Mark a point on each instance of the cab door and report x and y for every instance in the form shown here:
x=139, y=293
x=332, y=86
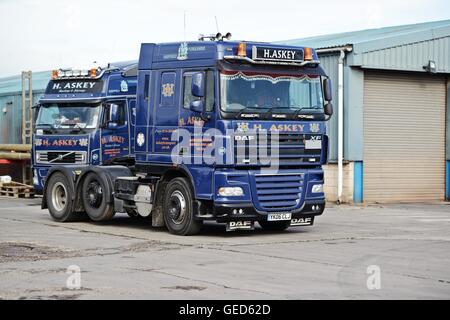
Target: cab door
x=198, y=123
x=165, y=115
x=114, y=140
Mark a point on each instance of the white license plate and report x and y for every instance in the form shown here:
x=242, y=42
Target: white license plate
x=279, y=216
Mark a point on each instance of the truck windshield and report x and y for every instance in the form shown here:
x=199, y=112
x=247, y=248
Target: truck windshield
x=67, y=116
x=283, y=93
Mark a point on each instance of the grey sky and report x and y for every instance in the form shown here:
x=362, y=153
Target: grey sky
x=47, y=34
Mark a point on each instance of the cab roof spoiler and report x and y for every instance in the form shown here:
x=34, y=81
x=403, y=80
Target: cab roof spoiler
x=130, y=71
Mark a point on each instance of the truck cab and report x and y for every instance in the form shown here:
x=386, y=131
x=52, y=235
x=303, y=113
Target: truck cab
x=242, y=124
x=84, y=118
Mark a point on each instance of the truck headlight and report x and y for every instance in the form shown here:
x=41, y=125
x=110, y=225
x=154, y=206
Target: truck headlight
x=317, y=188
x=231, y=191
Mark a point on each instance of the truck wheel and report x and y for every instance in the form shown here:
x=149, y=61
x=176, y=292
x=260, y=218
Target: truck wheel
x=178, y=208
x=59, y=203
x=274, y=225
x=94, y=198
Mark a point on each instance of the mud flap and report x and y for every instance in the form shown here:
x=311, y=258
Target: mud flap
x=157, y=217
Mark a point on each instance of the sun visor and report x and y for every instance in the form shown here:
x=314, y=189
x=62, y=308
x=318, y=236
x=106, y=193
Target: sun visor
x=287, y=70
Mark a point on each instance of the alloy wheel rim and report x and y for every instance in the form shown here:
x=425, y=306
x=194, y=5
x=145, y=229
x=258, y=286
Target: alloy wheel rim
x=59, y=196
x=177, y=207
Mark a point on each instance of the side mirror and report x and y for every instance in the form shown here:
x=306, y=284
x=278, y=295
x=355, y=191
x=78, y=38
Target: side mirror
x=111, y=125
x=196, y=106
x=198, y=85
x=111, y=118
x=327, y=91
x=328, y=109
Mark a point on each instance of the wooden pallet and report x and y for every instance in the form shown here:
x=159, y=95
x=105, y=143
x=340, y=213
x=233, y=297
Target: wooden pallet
x=16, y=190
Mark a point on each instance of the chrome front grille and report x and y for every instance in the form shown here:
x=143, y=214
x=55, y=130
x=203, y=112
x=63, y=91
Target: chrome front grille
x=67, y=157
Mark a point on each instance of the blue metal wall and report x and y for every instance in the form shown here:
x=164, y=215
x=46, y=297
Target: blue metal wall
x=353, y=107
x=330, y=63
x=11, y=116
x=406, y=52
x=11, y=104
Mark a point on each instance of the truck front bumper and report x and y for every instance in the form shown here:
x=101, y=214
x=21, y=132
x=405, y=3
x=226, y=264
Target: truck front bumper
x=263, y=193
x=246, y=211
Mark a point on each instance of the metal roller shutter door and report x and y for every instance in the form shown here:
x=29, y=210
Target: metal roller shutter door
x=404, y=137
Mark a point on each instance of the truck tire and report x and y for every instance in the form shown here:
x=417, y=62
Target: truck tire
x=59, y=203
x=94, y=199
x=274, y=225
x=178, y=209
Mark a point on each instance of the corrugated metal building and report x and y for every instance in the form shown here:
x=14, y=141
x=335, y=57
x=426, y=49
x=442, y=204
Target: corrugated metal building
x=11, y=104
x=393, y=111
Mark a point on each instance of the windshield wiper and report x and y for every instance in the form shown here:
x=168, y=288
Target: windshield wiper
x=48, y=126
x=307, y=116
x=45, y=125
x=247, y=109
x=267, y=110
x=80, y=129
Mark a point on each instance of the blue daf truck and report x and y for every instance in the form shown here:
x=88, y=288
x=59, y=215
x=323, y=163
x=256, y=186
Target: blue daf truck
x=231, y=132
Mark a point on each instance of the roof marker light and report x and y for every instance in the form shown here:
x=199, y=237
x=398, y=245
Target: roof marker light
x=241, y=49
x=54, y=74
x=308, y=55
x=93, y=73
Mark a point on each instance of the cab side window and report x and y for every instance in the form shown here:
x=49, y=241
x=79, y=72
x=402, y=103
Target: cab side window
x=188, y=97
x=209, y=90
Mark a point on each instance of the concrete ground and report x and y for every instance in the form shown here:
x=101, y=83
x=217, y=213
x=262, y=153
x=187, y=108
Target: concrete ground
x=374, y=252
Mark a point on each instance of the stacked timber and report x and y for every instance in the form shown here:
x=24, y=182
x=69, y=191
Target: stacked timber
x=15, y=151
